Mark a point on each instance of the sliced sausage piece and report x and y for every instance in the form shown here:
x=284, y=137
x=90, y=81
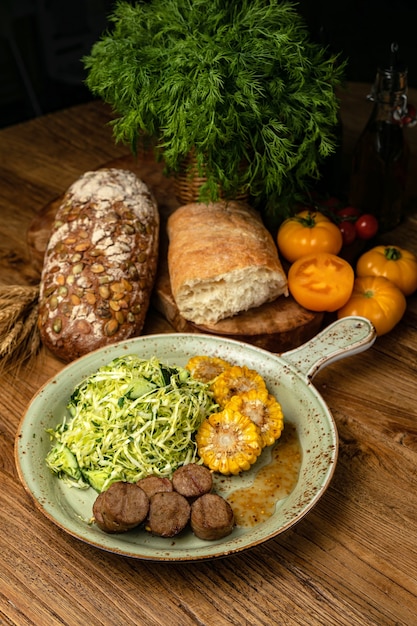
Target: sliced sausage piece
x=121, y=507
x=154, y=484
x=211, y=517
x=169, y=513
x=192, y=480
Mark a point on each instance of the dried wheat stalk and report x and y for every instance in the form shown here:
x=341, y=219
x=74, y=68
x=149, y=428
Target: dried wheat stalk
x=19, y=334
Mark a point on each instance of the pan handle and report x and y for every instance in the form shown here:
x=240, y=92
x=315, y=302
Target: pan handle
x=345, y=337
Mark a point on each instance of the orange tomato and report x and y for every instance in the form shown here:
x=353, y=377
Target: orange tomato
x=308, y=232
x=379, y=300
x=392, y=262
x=321, y=282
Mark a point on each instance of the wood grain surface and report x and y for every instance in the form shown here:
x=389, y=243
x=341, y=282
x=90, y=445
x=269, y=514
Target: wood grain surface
x=349, y=562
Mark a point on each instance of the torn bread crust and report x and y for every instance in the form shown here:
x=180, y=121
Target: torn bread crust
x=222, y=261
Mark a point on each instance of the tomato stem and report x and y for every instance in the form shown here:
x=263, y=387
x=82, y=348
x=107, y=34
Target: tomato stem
x=369, y=293
x=392, y=254
x=308, y=221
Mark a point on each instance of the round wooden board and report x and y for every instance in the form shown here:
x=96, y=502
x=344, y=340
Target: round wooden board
x=276, y=326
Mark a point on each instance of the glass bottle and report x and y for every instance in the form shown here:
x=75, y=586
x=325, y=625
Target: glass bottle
x=380, y=157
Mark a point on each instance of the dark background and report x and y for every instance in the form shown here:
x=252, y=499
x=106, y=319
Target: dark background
x=42, y=42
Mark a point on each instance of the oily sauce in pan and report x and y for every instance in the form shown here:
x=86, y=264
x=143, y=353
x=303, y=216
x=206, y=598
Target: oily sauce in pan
x=274, y=481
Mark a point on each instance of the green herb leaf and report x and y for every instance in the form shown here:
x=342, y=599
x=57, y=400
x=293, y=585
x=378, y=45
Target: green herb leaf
x=235, y=82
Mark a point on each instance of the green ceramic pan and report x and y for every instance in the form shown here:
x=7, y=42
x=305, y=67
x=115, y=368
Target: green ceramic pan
x=289, y=378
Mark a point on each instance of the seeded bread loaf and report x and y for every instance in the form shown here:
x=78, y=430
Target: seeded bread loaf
x=100, y=264
x=222, y=261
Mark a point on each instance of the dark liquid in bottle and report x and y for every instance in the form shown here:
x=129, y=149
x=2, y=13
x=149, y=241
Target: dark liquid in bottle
x=379, y=173
x=380, y=159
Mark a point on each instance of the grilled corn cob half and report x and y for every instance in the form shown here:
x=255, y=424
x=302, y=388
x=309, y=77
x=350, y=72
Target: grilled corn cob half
x=206, y=368
x=235, y=381
x=228, y=442
x=266, y=413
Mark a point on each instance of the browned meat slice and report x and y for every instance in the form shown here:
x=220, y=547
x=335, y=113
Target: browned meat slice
x=192, y=480
x=121, y=507
x=169, y=513
x=211, y=517
x=154, y=484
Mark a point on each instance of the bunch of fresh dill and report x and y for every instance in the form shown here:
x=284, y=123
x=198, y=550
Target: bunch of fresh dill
x=236, y=82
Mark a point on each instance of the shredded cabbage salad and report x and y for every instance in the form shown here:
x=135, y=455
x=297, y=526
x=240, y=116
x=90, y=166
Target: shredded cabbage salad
x=131, y=418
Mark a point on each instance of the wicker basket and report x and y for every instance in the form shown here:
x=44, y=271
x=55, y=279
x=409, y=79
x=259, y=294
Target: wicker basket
x=188, y=182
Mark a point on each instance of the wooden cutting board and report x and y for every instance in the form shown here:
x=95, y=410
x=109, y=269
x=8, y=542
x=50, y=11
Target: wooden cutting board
x=276, y=326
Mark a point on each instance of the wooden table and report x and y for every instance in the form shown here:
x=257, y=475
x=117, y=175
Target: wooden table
x=351, y=562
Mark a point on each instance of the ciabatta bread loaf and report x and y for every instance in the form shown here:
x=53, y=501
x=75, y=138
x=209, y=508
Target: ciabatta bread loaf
x=221, y=260
x=100, y=263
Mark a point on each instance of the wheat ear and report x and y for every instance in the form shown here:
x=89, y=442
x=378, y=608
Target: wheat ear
x=19, y=334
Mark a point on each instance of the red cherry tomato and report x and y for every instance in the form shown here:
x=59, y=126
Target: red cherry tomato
x=331, y=202
x=409, y=119
x=349, y=211
x=366, y=226
x=330, y=206
x=411, y=110
x=348, y=231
